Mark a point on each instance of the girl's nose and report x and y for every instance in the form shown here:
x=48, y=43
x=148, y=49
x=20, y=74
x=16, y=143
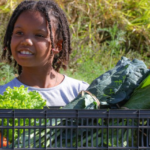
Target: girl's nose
x=27, y=41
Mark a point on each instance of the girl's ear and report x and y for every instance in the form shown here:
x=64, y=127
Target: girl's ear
x=58, y=47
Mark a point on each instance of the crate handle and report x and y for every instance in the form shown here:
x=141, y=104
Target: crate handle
x=94, y=97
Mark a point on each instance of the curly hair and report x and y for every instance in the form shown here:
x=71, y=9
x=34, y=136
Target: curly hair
x=49, y=9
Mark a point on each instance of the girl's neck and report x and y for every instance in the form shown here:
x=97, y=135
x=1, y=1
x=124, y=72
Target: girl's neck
x=40, y=78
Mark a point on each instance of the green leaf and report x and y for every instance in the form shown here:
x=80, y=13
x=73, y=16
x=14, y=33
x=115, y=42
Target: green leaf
x=140, y=99
x=145, y=83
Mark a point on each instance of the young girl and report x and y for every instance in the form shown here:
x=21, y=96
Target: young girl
x=37, y=40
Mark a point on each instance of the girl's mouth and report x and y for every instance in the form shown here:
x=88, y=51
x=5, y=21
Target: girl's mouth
x=25, y=52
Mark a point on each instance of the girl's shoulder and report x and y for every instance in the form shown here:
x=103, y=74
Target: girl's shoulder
x=81, y=85
x=11, y=84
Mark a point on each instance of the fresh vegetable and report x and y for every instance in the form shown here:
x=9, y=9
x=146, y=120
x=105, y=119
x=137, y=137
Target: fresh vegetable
x=19, y=98
x=4, y=142
x=111, y=137
x=140, y=99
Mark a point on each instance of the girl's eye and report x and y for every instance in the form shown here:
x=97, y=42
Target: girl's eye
x=39, y=35
x=19, y=32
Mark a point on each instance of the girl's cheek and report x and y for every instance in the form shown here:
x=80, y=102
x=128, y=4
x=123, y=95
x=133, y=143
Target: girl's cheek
x=14, y=41
x=13, y=44
x=42, y=45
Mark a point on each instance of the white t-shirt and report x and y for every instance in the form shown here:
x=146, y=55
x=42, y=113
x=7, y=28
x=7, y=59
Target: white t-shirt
x=59, y=95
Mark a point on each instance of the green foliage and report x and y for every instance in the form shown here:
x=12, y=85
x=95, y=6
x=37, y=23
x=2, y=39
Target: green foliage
x=103, y=31
x=140, y=97
x=7, y=6
x=117, y=41
x=20, y=98
x=131, y=16
x=7, y=73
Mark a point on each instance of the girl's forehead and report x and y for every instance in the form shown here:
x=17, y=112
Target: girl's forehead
x=31, y=21
x=30, y=14
x=34, y=20
x=36, y=16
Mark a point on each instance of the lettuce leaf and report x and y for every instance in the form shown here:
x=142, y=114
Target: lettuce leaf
x=20, y=98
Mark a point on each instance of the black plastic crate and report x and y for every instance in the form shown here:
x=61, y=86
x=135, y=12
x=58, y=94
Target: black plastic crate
x=56, y=129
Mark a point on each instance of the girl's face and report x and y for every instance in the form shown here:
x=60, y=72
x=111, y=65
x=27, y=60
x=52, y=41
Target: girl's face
x=30, y=43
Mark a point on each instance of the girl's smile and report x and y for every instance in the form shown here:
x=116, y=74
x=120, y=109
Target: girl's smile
x=25, y=53
x=30, y=43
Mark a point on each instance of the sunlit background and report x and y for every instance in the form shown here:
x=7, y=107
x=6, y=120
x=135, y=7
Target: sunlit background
x=101, y=32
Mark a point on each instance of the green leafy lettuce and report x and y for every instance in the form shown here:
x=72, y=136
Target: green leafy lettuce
x=20, y=98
